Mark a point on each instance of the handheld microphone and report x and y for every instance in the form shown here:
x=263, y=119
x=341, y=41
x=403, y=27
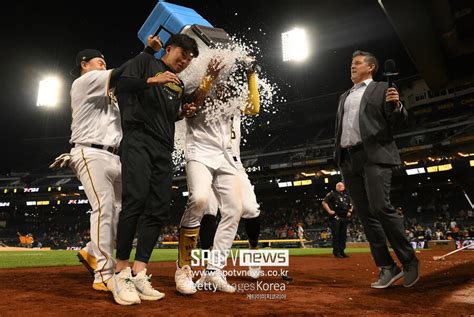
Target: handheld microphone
x=390, y=71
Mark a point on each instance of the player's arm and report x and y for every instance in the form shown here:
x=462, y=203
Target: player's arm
x=135, y=79
x=253, y=101
x=213, y=70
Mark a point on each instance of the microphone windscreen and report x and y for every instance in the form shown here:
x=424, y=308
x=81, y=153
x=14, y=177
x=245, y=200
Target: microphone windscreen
x=390, y=66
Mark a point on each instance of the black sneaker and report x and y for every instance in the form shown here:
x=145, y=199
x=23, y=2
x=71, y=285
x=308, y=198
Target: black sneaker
x=411, y=273
x=344, y=255
x=388, y=275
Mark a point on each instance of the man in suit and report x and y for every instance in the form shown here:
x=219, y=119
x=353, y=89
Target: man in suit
x=366, y=153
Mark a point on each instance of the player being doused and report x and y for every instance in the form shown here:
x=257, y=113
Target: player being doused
x=213, y=168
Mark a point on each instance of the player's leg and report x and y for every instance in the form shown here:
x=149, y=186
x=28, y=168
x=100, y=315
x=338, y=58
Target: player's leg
x=250, y=209
x=251, y=217
x=118, y=206
x=199, y=178
x=209, y=223
x=86, y=255
x=227, y=186
x=136, y=173
x=97, y=181
x=155, y=216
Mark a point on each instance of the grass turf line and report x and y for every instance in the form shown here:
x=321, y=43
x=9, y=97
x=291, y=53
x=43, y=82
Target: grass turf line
x=18, y=259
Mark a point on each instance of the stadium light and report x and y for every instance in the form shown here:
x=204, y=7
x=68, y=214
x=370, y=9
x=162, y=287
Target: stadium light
x=295, y=45
x=48, y=92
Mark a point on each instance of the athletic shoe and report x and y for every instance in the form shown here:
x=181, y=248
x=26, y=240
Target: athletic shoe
x=254, y=272
x=203, y=285
x=388, y=275
x=88, y=260
x=411, y=273
x=123, y=288
x=184, y=280
x=101, y=286
x=144, y=289
x=218, y=281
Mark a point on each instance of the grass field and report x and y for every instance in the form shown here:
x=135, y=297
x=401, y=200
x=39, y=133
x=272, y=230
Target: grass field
x=17, y=259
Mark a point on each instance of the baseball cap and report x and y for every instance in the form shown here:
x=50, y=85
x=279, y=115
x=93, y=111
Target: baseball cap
x=84, y=56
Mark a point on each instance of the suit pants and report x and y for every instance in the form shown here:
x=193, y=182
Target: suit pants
x=369, y=186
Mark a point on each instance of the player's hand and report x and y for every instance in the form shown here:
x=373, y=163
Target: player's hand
x=393, y=96
x=215, y=66
x=61, y=161
x=155, y=42
x=188, y=110
x=164, y=78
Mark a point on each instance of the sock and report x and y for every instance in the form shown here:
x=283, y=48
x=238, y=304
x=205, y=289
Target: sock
x=187, y=242
x=252, y=228
x=207, y=231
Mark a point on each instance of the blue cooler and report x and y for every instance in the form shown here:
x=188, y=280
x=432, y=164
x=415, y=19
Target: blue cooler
x=167, y=19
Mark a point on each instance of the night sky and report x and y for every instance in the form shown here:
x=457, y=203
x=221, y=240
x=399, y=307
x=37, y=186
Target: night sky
x=41, y=38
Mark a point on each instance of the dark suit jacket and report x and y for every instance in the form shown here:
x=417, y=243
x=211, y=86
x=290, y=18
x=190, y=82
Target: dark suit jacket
x=376, y=121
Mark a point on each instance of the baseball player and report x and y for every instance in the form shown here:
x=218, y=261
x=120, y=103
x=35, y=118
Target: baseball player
x=250, y=206
x=210, y=166
x=301, y=234
x=149, y=112
x=96, y=135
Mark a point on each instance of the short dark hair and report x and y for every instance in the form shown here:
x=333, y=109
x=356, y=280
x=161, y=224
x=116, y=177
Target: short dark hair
x=184, y=41
x=369, y=58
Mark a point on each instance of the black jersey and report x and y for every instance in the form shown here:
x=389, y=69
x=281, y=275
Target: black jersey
x=154, y=108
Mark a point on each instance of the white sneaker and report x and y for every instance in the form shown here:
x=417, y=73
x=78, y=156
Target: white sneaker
x=254, y=272
x=199, y=283
x=122, y=287
x=218, y=280
x=144, y=289
x=184, y=280
x=203, y=285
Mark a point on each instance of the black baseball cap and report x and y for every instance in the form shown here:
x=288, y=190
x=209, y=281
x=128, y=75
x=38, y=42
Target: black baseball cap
x=84, y=56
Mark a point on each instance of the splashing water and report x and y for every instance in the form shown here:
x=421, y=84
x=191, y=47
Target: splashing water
x=232, y=76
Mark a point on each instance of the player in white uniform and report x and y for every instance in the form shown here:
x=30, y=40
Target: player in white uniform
x=212, y=171
x=209, y=166
x=96, y=135
x=250, y=206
